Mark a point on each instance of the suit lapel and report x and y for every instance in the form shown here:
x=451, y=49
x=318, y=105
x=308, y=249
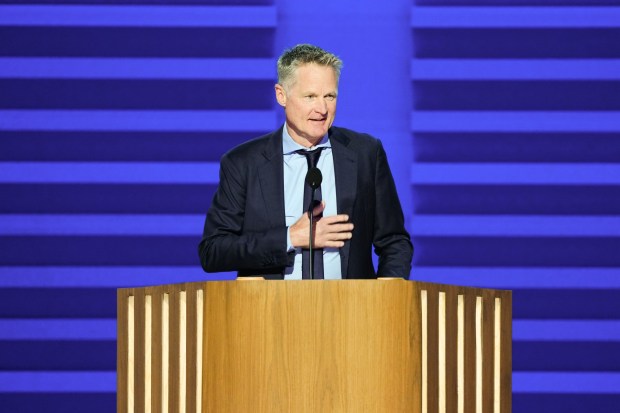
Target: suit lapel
x=345, y=170
x=271, y=177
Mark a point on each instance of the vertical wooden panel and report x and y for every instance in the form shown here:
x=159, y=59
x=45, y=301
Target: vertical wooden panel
x=139, y=349
x=165, y=352
x=441, y=351
x=433, y=349
x=451, y=350
x=488, y=347
x=461, y=353
x=497, y=354
x=182, y=351
x=470, y=354
x=424, y=349
x=121, y=351
x=190, y=350
x=506, y=353
x=131, y=361
x=200, y=332
x=156, y=374
x=479, y=329
x=148, y=352
x=173, y=376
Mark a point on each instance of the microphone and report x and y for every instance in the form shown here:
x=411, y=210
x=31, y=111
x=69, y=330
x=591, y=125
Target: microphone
x=314, y=177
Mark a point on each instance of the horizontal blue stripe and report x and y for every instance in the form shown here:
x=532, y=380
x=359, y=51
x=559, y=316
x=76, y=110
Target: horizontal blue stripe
x=57, y=382
x=569, y=383
x=515, y=69
x=119, y=224
x=207, y=173
x=519, y=278
x=566, y=330
x=523, y=382
x=192, y=224
x=138, y=16
x=105, y=329
x=511, y=225
x=511, y=173
x=59, y=329
x=138, y=120
x=521, y=17
x=109, y=172
x=117, y=277
x=136, y=68
x=521, y=121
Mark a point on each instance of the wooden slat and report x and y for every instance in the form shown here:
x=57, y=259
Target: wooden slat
x=433, y=354
x=157, y=295
x=173, y=378
x=470, y=353
x=488, y=318
x=139, y=349
x=506, y=353
x=451, y=349
x=121, y=351
x=190, y=350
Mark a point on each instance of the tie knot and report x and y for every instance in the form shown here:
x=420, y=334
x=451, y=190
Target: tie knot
x=311, y=156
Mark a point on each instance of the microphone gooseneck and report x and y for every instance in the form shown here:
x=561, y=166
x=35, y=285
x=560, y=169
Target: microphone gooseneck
x=314, y=177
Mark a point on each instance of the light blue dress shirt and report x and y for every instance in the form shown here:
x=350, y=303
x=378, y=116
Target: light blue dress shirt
x=295, y=169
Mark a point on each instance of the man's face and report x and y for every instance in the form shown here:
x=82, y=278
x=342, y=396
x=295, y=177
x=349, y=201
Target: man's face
x=309, y=102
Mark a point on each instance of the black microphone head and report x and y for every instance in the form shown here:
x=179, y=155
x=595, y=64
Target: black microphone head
x=314, y=177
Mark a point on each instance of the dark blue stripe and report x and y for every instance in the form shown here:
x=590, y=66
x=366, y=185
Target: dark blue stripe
x=516, y=95
x=58, y=302
x=58, y=402
x=58, y=355
x=516, y=43
x=145, y=42
x=119, y=146
x=565, y=356
x=509, y=2
x=565, y=403
x=517, y=199
x=566, y=304
x=517, y=251
x=517, y=147
x=153, y=2
x=136, y=94
x=121, y=199
x=113, y=250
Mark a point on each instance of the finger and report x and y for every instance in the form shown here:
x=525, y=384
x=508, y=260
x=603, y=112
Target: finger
x=334, y=219
x=348, y=227
x=318, y=210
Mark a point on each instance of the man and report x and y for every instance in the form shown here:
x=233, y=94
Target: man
x=256, y=224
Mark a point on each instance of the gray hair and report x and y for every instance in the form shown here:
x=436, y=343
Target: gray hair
x=302, y=54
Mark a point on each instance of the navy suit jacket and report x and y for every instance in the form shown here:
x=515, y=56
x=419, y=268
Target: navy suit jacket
x=245, y=229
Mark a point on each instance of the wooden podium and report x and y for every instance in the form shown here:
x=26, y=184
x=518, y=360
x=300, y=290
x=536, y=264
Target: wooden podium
x=314, y=346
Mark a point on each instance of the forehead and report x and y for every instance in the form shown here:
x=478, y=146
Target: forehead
x=312, y=75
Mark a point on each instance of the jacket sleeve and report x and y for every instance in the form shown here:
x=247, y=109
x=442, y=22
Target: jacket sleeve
x=225, y=245
x=391, y=240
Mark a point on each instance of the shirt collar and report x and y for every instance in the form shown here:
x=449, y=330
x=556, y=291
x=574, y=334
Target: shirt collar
x=289, y=146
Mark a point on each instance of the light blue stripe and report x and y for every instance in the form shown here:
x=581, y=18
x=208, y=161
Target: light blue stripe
x=515, y=69
x=136, y=68
x=566, y=330
x=566, y=382
x=514, y=17
x=507, y=173
x=515, y=278
x=515, y=225
x=109, y=172
x=139, y=120
x=57, y=381
x=102, y=224
x=139, y=16
x=57, y=329
x=114, y=277
x=522, y=121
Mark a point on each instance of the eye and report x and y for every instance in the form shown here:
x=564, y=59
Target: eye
x=330, y=97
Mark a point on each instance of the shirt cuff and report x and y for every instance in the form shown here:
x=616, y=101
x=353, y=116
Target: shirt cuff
x=289, y=244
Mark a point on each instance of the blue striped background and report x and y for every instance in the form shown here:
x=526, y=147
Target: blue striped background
x=113, y=117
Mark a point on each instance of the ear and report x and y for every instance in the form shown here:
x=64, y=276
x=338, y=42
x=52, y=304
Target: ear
x=280, y=95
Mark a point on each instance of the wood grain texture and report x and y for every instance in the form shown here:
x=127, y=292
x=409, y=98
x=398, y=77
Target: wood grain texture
x=506, y=354
x=121, y=351
x=139, y=350
x=488, y=349
x=310, y=347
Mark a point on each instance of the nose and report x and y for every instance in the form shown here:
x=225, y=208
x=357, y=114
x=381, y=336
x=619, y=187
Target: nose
x=320, y=106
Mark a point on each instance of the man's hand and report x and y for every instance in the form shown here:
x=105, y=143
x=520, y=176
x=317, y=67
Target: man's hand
x=329, y=232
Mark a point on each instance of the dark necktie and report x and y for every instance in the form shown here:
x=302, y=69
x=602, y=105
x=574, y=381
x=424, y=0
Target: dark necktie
x=312, y=157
